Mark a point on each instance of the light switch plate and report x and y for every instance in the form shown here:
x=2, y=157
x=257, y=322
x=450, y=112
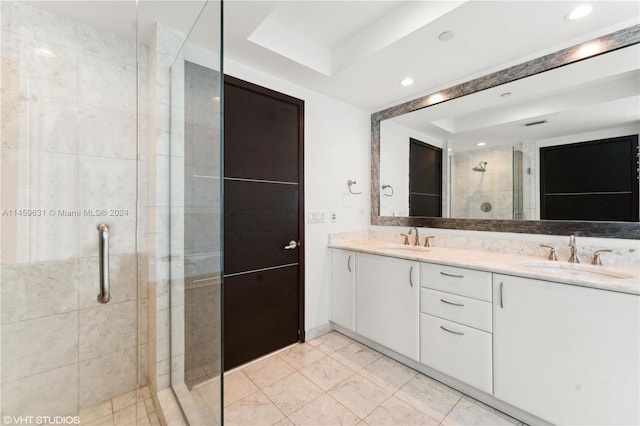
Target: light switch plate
x=315, y=216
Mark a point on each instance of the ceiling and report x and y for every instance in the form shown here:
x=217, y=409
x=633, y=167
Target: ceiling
x=358, y=51
x=602, y=92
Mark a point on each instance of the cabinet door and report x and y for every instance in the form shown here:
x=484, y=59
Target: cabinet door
x=565, y=353
x=343, y=265
x=387, y=302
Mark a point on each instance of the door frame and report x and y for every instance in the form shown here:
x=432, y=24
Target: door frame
x=299, y=104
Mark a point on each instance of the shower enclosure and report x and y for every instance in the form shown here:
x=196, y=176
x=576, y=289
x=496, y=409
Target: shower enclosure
x=88, y=278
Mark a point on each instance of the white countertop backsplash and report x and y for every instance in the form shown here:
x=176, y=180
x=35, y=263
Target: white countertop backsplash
x=503, y=256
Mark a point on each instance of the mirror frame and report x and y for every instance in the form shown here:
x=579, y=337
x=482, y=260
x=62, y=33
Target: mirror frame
x=625, y=230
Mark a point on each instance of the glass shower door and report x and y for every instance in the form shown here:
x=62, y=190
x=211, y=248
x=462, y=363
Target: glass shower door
x=196, y=240
x=69, y=163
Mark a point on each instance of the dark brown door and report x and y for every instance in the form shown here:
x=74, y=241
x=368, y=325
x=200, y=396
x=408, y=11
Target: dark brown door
x=425, y=179
x=263, y=204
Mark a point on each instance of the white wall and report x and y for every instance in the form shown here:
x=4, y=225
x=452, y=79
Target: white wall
x=394, y=165
x=336, y=149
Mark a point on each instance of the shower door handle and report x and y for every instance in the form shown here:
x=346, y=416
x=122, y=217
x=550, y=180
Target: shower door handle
x=103, y=248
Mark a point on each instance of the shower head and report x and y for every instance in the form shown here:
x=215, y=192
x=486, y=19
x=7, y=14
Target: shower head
x=481, y=167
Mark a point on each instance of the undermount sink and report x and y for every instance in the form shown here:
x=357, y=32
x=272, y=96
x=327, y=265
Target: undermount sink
x=406, y=247
x=576, y=270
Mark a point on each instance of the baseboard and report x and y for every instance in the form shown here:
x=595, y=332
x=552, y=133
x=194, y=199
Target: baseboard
x=318, y=331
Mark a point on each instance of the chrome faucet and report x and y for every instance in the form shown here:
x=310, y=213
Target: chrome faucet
x=416, y=242
x=552, y=252
x=573, y=254
x=596, y=256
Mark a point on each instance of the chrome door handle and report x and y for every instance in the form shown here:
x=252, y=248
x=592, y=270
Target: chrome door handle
x=451, y=331
x=349, y=263
x=103, y=249
x=292, y=244
x=411, y=276
x=451, y=275
x=451, y=303
x=501, y=301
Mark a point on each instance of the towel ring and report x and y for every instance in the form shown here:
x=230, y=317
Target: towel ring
x=385, y=193
x=349, y=184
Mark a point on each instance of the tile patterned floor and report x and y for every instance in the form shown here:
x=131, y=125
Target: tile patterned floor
x=333, y=380
x=133, y=408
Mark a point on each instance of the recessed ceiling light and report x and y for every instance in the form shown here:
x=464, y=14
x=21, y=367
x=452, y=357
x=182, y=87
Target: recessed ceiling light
x=446, y=36
x=481, y=143
x=434, y=99
x=579, y=12
x=407, y=81
x=588, y=49
x=505, y=94
x=44, y=52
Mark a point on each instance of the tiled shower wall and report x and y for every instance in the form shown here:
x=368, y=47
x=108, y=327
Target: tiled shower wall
x=68, y=143
x=470, y=188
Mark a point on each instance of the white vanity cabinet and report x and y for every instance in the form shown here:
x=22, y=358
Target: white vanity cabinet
x=566, y=354
x=387, y=302
x=343, y=282
x=456, y=323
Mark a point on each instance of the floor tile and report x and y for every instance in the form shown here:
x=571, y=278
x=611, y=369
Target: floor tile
x=255, y=409
x=356, y=356
x=301, y=355
x=237, y=386
x=330, y=342
x=194, y=374
x=95, y=412
x=326, y=372
x=468, y=412
x=210, y=393
x=284, y=422
x=324, y=410
x=359, y=395
x=429, y=396
x=396, y=412
x=125, y=417
x=292, y=392
x=124, y=401
x=268, y=371
x=387, y=373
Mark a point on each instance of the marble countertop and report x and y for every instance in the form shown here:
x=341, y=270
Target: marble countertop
x=622, y=279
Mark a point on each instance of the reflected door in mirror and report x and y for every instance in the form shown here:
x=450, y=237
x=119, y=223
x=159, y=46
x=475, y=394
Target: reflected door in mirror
x=425, y=179
x=595, y=180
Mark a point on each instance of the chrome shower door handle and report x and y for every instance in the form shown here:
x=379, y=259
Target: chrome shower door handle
x=103, y=248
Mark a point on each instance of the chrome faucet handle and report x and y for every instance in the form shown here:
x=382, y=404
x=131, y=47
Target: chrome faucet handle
x=426, y=240
x=552, y=252
x=406, y=239
x=596, y=256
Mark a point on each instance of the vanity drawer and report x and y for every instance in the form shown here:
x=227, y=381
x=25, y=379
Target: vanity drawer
x=458, y=351
x=460, y=309
x=461, y=281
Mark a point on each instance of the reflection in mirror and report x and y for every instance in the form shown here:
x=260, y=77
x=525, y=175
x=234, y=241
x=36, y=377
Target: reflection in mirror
x=491, y=139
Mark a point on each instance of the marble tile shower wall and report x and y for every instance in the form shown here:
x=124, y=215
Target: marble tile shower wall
x=68, y=143
x=471, y=189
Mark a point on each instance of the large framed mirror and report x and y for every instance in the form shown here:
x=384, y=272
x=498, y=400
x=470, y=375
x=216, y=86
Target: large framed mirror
x=548, y=146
